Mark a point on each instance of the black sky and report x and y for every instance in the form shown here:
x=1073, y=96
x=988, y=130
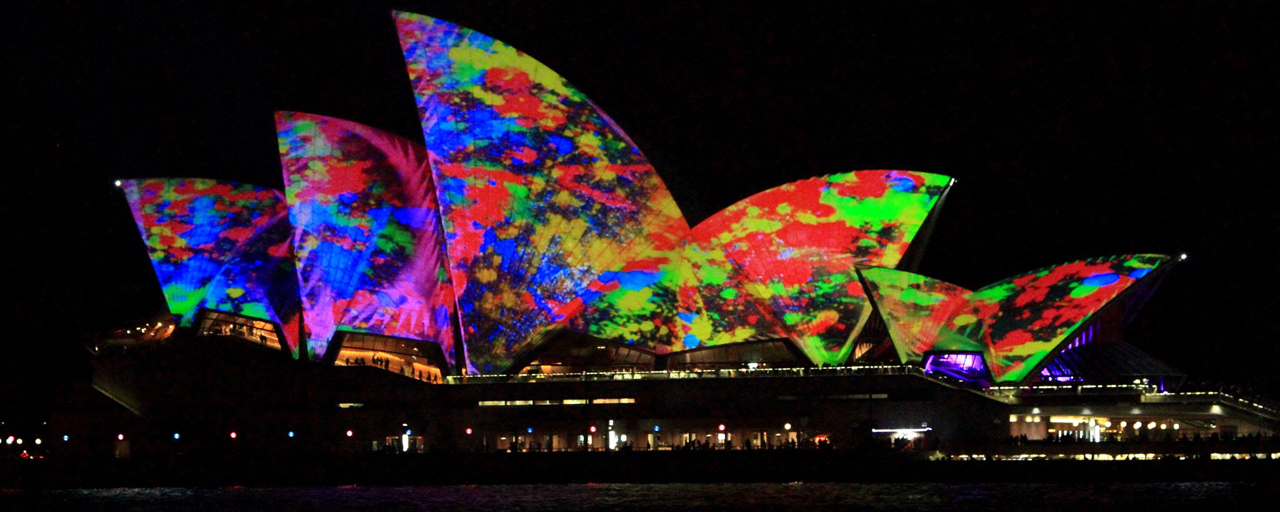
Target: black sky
x=1073, y=131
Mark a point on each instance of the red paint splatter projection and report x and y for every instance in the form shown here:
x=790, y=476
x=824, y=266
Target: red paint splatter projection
x=540, y=191
x=1017, y=322
x=1026, y=317
x=218, y=245
x=782, y=261
x=370, y=254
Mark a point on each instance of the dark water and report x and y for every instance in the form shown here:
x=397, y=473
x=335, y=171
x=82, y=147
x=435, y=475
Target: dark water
x=649, y=497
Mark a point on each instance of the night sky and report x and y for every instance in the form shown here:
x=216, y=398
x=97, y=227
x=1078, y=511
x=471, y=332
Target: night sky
x=1073, y=132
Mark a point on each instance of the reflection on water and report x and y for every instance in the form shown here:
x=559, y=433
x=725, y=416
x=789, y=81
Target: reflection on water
x=650, y=497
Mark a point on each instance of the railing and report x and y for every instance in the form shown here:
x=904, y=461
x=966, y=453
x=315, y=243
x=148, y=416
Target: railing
x=1210, y=397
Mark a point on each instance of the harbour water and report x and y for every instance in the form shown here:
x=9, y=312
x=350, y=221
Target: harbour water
x=809, y=497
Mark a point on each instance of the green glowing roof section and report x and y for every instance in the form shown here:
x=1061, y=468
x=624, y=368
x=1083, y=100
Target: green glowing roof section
x=923, y=314
x=1028, y=316
x=540, y=192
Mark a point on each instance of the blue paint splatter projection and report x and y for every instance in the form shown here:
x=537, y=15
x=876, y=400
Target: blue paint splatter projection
x=218, y=245
x=370, y=254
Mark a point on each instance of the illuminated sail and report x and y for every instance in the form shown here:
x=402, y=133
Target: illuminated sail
x=366, y=230
x=217, y=245
x=541, y=193
x=782, y=262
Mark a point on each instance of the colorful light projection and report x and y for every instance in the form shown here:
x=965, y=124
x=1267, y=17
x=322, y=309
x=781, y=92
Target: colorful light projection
x=366, y=230
x=642, y=302
x=218, y=245
x=1016, y=322
x=923, y=314
x=541, y=193
x=1029, y=315
x=782, y=262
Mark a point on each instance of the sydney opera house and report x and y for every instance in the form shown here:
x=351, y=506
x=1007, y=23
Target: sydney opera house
x=520, y=278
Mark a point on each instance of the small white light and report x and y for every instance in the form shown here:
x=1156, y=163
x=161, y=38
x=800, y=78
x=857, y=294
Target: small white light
x=1175, y=426
x=786, y=426
x=117, y=183
x=1183, y=256
x=120, y=437
x=1151, y=425
x=19, y=440
x=38, y=441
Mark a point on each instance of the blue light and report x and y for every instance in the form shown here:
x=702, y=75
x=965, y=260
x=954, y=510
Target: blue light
x=66, y=438
x=529, y=430
x=656, y=428
x=176, y=436
x=408, y=432
x=291, y=434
